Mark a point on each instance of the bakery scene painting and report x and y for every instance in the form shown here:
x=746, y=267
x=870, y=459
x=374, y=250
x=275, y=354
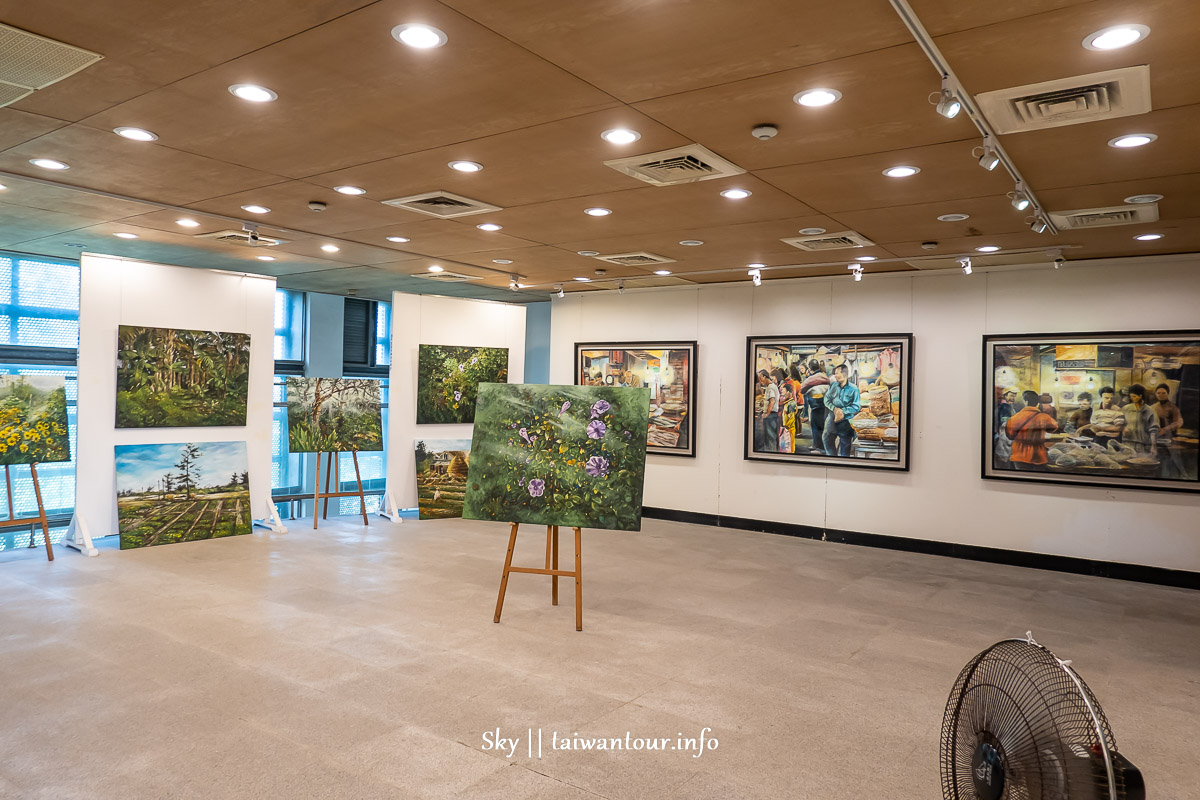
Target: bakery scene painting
x=1120, y=409
x=833, y=400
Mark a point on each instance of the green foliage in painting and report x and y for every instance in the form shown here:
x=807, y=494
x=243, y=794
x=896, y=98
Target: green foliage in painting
x=33, y=419
x=559, y=455
x=448, y=380
x=334, y=415
x=168, y=378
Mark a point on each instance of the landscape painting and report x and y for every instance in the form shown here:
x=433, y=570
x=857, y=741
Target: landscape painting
x=667, y=369
x=33, y=419
x=169, y=378
x=448, y=380
x=559, y=455
x=442, y=477
x=169, y=493
x=334, y=415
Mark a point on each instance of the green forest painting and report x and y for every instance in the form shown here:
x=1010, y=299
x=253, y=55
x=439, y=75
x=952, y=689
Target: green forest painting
x=33, y=419
x=334, y=415
x=169, y=493
x=441, y=477
x=559, y=455
x=448, y=380
x=169, y=378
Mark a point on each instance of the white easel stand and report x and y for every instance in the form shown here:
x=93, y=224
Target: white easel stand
x=79, y=538
x=388, y=509
x=271, y=522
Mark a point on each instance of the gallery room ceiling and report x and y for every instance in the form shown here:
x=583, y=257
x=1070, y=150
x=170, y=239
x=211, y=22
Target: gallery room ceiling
x=525, y=88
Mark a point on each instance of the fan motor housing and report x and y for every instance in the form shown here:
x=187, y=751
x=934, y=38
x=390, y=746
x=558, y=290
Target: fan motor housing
x=987, y=772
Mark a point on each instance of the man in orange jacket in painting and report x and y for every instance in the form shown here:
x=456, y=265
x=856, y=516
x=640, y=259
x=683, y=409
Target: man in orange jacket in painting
x=1027, y=429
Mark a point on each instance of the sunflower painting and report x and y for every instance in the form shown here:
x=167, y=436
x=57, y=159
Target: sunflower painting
x=33, y=419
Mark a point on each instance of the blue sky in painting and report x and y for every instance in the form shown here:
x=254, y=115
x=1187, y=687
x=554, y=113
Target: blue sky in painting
x=142, y=465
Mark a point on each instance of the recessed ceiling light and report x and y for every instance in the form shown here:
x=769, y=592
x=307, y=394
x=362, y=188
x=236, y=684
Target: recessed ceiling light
x=422, y=37
x=662, y=272
x=953, y=217
x=255, y=209
x=620, y=136
x=1144, y=198
x=436, y=268
x=265, y=258
x=398, y=239
x=811, y=231
x=901, y=172
x=817, y=97
x=489, y=226
x=253, y=92
x=349, y=190
x=987, y=248
x=864, y=258
x=187, y=223
x=584, y=280
x=755, y=266
x=1132, y=140
x=123, y=235
x=736, y=194
x=502, y=261
x=2, y=187
x=49, y=163
x=466, y=166
x=136, y=134
x=330, y=248
x=1116, y=37
x=597, y=212
x=1148, y=237
x=588, y=252
x=691, y=242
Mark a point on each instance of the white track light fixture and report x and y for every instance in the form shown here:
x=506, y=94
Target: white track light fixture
x=965, y=263
x=620, y=287
x=756, y=276
x=857, y=271
x=1039, y=224
x=990, y=159
x=948, y=104
x=1020, y=200
x=512, y=282
x=561, y=293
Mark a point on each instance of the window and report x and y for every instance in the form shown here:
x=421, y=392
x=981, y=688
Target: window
x=383, y=333
x=39, y=302
x=289, y=331
x=287, y=475
x=366, y=338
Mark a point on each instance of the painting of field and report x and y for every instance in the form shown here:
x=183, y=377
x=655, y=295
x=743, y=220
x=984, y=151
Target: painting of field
x=442, y=477
x=334, y=415
x=33, y=419
x=168, y=493
x=448, y=380
x=168, y=378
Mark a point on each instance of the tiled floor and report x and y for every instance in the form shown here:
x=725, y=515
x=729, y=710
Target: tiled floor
x=352, y=663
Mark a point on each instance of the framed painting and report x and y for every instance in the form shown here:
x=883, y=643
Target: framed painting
x=1117, y=409
x=832, y=400
x=33, y=419
x=448, y=380
x=334, y=415
x=442, y=466
x=667, y=369
x=573, y=456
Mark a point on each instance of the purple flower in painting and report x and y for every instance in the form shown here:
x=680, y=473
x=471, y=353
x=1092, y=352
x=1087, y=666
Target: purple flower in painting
x=564, y=408
x=536, y=487
x=473, y=360
x=529, y=459
x=596, y=429
x=521, y=482
x=524, y=434
x=599, y=407
x=597, y=467
x=457, y=396
x=460, y=367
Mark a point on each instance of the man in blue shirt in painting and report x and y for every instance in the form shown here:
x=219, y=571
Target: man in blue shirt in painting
x=843, y=402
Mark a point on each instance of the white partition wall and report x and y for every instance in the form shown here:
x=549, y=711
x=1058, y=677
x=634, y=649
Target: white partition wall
x=116, y=292
x=942, y=497
x=427, y=319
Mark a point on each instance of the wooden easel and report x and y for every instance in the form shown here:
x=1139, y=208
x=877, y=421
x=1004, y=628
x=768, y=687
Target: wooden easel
x=329, y=470
x=551, y=569
x=11, y=522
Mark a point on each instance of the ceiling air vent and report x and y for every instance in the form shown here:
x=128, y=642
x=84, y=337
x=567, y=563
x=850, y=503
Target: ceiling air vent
x=445, y=277
x=445, y=205
x=243, y=238
x=29, y=62
x=829, y=241
x=1105, y=217
x=1069, y=101
x=681, y=165
x=635, y=259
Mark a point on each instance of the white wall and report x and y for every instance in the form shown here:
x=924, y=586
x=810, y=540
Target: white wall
x=116, y=292
x=942, y=497
x=428, y=319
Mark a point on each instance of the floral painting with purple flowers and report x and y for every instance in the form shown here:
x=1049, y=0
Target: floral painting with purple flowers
x=448, y=379
x=573, y=456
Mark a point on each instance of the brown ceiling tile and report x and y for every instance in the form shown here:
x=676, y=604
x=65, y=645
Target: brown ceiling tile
x=636, y=51
x=1181, y=195
x=988, y=215
x=438, y=237
x=66, y=200
x=872, y=116
x=946, y=16
x=19, y=224
x=21, y=126
x=948, y=172
x=289, y=201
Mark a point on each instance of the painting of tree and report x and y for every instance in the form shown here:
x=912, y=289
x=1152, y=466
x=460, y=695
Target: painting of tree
x=334, y=415
x=169, y=378
x=448, y=380
x=33, y=419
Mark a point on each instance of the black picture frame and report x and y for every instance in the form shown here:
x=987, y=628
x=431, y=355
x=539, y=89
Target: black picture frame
x=873, y=457
x=689, y=419
x=1116, y=344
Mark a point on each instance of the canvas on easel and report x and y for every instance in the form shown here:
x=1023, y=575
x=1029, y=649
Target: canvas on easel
x=33, y=430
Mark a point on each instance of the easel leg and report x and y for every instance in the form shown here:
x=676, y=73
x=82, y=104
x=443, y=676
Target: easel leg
x=578, y=580
x=317, y=491
x=554, y=565
x=328, y=475
x=512, y=542
x=362, y=501
x=37, y=492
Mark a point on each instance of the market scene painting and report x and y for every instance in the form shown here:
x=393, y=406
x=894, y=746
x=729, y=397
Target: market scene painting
x=572, y=456
x=838, y=401
x=667, y=369
x=441, y=477
x=448, y=379
x=1111, y=409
